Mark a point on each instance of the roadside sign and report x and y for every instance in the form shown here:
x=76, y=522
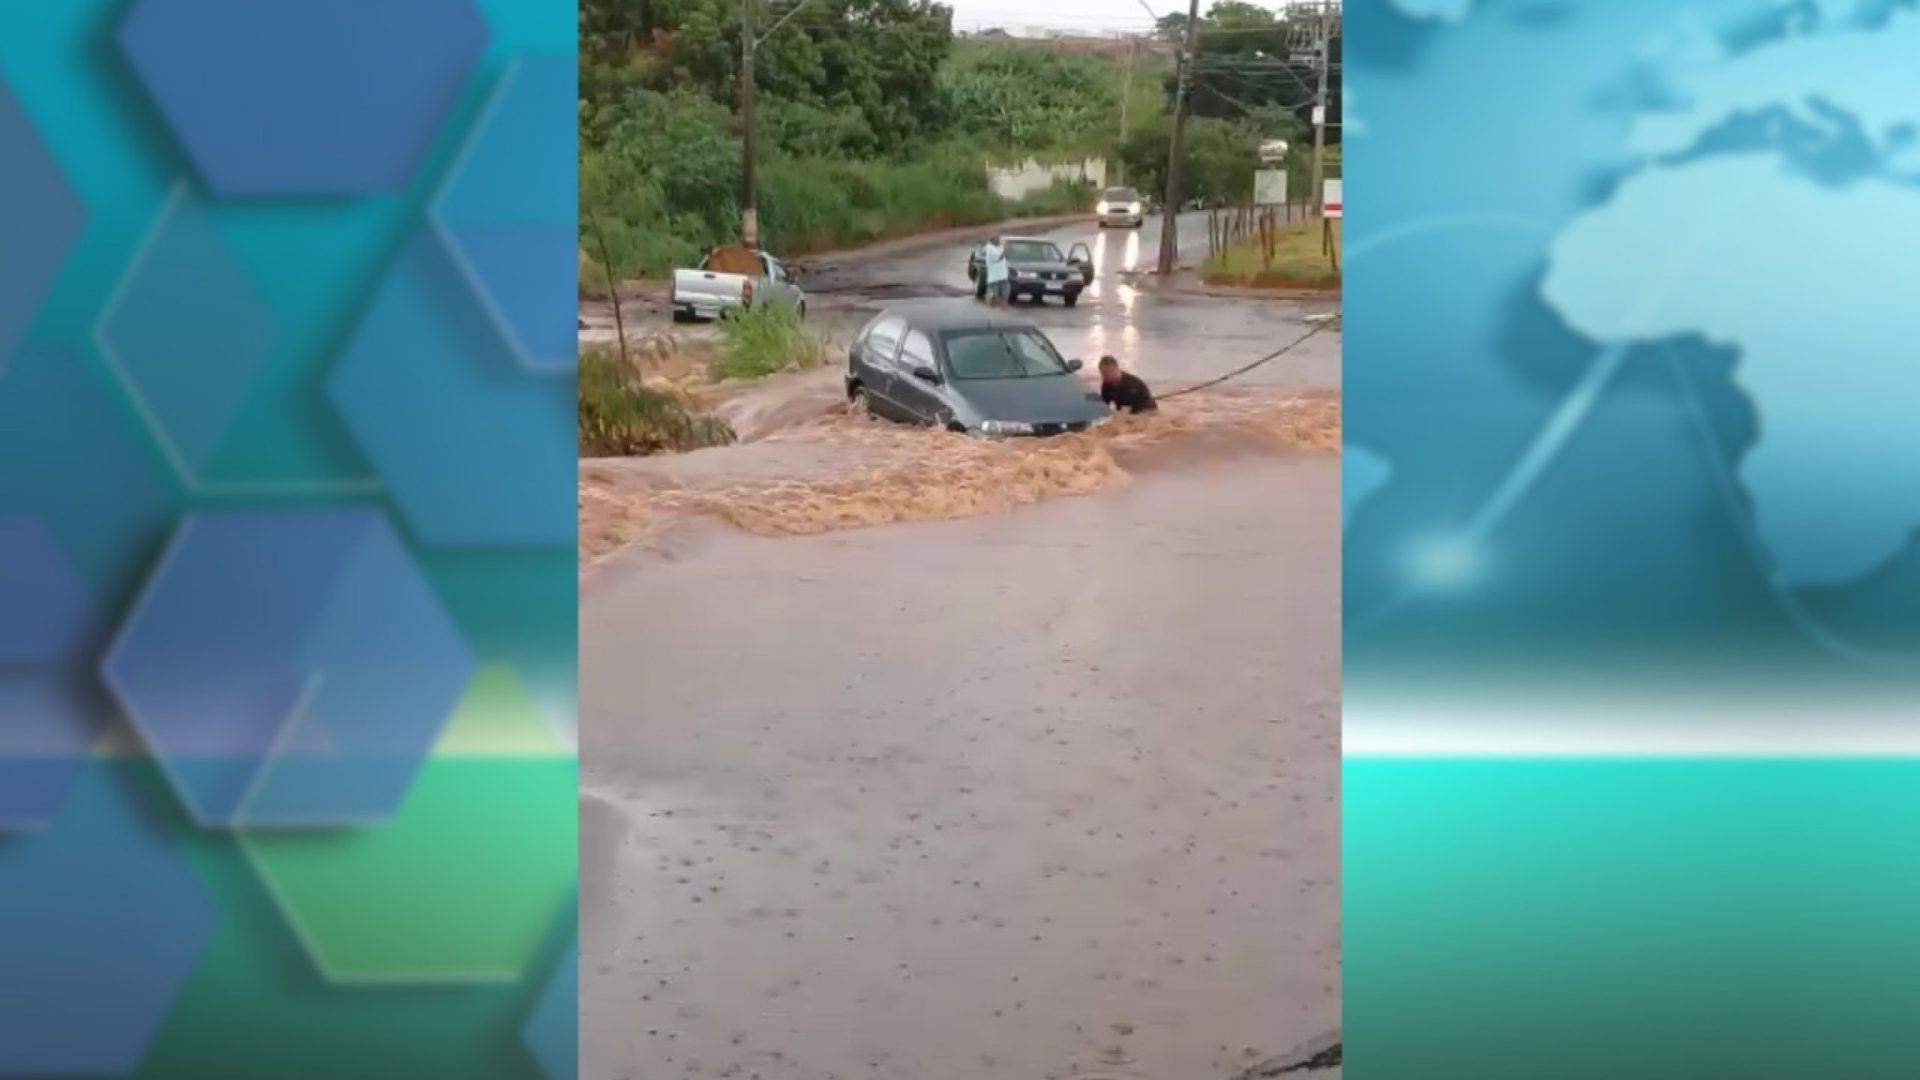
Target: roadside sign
x=1269, y=187
x=1330, y=198
x=1319, y=115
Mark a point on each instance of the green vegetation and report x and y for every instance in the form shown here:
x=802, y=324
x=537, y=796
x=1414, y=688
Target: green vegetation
x=873, y=121
x=620, y=416
x=1295, y=258
x=756, y=342
x=1249, y=85
x=1254, y=58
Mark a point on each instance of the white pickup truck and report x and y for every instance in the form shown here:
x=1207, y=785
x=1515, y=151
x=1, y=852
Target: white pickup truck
x=731, y=277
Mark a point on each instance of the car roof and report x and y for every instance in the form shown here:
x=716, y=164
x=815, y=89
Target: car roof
x=948, y=315
x=1031, y=239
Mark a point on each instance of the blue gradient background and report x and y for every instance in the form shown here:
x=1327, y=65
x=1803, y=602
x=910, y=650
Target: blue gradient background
x=1632, y=599
x=211, y=214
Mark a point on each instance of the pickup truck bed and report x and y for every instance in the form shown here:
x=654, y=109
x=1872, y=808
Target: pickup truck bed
x=731, y=277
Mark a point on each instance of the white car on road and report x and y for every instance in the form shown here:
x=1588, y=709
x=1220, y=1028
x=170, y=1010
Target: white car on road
x=1122, y=207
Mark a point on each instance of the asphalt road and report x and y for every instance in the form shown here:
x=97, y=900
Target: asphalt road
x=1171, y=339
x=1047, y=793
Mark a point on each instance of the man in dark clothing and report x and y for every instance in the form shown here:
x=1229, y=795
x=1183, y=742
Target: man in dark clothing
x=1123, y=389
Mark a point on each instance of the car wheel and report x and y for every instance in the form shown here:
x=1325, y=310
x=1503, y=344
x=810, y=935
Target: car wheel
x=858, y=403
x=682, y=315
x=1070, y=299
x=801, y=310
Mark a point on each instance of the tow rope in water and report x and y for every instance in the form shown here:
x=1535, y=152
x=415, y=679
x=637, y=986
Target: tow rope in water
x=1321, y=322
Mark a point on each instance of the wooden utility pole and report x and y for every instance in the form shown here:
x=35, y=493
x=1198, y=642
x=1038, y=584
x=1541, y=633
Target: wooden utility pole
x=1320, y=110
x=1170, y=210
x=749, y=180
x=1126, y=100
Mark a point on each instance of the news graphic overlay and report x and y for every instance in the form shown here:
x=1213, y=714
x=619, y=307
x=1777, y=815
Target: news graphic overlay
x=1632, y=589
x=287, y=570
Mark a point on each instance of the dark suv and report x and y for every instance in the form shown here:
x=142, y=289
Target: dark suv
x=1036, y=268
x=950, y=364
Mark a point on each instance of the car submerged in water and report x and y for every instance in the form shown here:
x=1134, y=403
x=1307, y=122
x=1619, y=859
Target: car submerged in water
x=958, y=367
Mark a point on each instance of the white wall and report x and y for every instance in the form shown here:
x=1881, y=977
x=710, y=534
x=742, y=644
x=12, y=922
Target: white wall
x=1018, y=181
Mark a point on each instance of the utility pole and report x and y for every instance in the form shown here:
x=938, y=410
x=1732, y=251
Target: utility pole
x=749, y=180
x=1126, y=99
x=1170, y=209
x=1318, y=189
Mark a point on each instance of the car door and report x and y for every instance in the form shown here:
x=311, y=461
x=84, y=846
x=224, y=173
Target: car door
x=779, y=283
x=873, y=360
x=920, y=399
x=1081, y=258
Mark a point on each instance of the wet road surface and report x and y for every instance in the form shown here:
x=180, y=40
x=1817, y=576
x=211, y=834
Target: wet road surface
x=1048, y=793
x=1171, y=339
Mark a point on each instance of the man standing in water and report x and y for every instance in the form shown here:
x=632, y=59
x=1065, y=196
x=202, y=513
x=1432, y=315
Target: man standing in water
x=1123, y=389
x=993, y=267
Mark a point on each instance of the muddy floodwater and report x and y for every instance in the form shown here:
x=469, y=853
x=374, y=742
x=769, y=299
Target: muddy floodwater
x=912, y=756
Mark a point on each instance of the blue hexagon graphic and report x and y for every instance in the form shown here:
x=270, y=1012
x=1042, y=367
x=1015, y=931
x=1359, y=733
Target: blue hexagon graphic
x=40, y=219
x=104, y=922
x=288, y=666
x=112, y=505
x=187, y=333
x=476, y=450
x=510, y=210
x=51, y=707
x=283, y=97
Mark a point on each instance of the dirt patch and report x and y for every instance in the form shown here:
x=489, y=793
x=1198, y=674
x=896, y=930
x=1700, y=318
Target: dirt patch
x=844, y=472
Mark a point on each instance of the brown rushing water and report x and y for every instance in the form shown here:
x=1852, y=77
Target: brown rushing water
x=839, y=472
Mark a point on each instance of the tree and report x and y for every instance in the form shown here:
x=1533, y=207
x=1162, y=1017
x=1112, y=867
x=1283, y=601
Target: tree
x=1252, y=58
x=880, y=58
x=1216, y=164
x=1021, y=98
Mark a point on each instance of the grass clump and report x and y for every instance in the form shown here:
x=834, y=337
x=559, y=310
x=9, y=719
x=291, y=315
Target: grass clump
x=1296, y=258
x=757, y=341
x=622, y=417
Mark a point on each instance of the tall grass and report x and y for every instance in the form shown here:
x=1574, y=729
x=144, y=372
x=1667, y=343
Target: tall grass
x=815, y=205
x=619, y=416
x=756, y=342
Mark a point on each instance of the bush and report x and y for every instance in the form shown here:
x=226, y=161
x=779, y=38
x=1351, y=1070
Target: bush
x=756, y=342
x=619, y=416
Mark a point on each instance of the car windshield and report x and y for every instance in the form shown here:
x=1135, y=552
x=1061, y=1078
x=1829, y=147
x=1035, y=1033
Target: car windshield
x=1001, y=354
x=1122, y=194
x=1033, y=251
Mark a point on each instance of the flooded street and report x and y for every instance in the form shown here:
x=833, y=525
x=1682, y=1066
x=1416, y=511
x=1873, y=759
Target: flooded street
x=908, y=755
